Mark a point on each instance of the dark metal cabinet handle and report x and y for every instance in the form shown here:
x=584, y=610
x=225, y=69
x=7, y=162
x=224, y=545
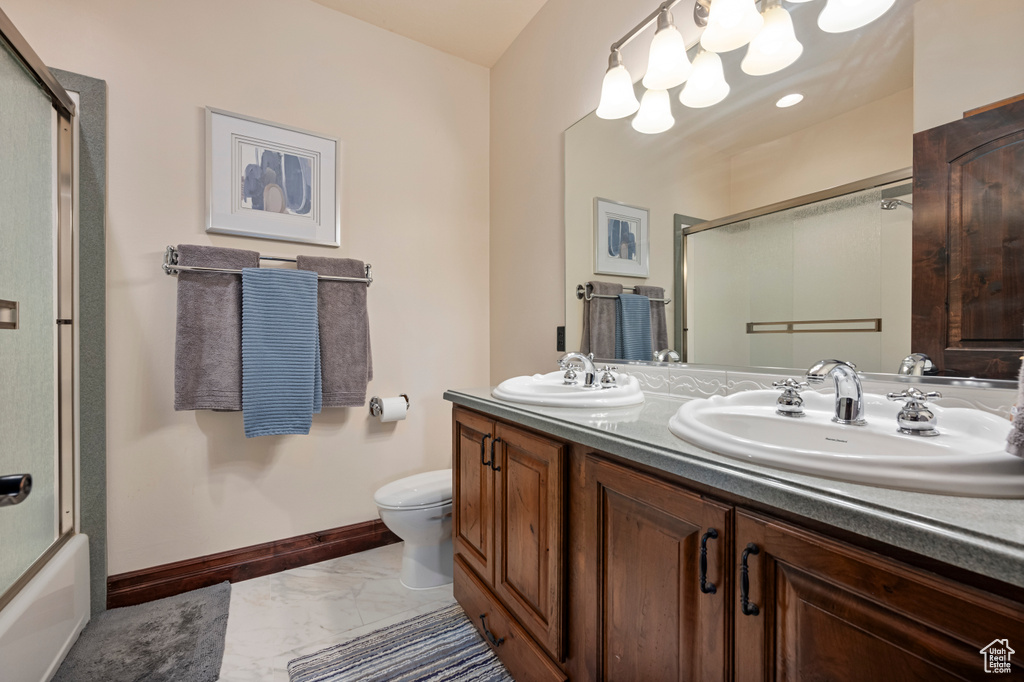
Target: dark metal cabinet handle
x=748, y=607
x=705, y=586
x=493, y=443
x=483, y=449
x=496, y=641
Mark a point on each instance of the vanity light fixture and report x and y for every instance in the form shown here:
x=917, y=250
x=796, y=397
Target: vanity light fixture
x=728, y=25
x=707, y=85
x=617, y=97
x=731, y=25
x=655, y=115
x=840, y=16
x=789, y=100
x=668, y=65
x=775, y=46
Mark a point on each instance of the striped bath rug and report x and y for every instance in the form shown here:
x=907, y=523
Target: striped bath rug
x=441, y=646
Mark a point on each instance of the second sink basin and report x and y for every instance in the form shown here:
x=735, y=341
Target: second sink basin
x=549, y=389
x=967, y=458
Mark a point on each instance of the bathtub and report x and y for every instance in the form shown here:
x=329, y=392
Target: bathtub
x=39, y=626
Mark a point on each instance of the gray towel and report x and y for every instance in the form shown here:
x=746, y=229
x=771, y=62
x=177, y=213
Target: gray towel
x=208, y=343
x=1015, y=441
x=659, y=325
x=345, y=357
x=599, y=321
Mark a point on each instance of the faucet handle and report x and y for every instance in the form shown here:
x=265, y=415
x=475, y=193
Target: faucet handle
x=915, y=419
x=790, y=404
x=913, y=396
x=607, y=378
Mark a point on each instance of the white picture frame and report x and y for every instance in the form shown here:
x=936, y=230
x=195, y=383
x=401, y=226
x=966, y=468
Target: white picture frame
x=271, y=181
x=628, y=227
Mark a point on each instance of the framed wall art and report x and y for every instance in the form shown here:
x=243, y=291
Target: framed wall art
x=271, y=181
x=621, y=245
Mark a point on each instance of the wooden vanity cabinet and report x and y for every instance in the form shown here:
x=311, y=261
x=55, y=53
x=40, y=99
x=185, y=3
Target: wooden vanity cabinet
x=819, y=609
x=640, y=608
x=574, y=564
x=508, y=528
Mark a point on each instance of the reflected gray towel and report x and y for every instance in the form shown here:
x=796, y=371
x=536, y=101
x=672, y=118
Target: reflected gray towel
x=1015, y=441
x=599, y=321
x=208, y=342
x=659, y=325
x=345, y=357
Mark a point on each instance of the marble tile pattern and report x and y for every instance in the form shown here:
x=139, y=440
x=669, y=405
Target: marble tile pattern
x=278, y=617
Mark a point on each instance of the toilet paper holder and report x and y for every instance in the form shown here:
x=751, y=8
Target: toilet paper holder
x=377, y=405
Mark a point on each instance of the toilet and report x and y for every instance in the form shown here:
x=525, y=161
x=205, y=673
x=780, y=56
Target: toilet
x=418, y=509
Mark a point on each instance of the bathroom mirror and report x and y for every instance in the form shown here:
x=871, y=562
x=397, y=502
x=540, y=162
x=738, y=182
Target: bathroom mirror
x=861, y=106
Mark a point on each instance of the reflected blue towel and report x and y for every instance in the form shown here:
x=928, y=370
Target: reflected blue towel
x=633, y=328
x=281, y=387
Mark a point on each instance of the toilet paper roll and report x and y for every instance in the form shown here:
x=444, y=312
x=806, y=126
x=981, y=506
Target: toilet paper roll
x=393, y=409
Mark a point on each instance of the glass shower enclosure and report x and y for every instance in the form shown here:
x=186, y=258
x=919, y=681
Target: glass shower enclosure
x=37, y=506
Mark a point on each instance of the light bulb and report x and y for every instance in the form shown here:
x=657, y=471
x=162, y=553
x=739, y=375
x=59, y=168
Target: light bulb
x=707, y=85
x=731, y=24
x=617, y=97
x=840, y=16
x=774, y=47
x=668, y=65
x=655, y=115
x=789, y=100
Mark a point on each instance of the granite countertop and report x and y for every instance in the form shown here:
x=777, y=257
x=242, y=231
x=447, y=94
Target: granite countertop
x=984, y=536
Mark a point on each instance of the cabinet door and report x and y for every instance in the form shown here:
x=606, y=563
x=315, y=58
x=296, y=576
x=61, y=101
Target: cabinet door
x=828, y=611
x=644, y=614
x=529, y=504
x=473, y=492
x=968, y=292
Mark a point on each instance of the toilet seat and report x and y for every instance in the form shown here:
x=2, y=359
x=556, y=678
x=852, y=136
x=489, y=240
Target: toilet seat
x=419, y=491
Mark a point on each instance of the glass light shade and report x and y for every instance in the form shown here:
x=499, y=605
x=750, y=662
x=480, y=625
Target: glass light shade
x=840, y=16
x=731, y=25
x=617, y=97
x=655, y=115
x=668, y=65
x=774, y=47
x=706, y=85
x=789, y=100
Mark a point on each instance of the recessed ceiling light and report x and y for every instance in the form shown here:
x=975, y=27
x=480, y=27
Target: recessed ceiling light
x=790, y=100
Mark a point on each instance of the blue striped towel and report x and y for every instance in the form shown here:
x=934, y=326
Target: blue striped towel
x=633, y=328
x=281, y=387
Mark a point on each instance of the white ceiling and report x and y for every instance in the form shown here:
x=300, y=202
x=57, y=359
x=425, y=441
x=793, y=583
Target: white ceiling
x=479, y=31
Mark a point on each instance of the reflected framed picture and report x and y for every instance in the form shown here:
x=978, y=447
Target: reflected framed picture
x=271, y=181
x=621, y=244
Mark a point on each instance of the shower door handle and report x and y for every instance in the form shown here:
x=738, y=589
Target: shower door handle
x=8, y=314
x=14, y=489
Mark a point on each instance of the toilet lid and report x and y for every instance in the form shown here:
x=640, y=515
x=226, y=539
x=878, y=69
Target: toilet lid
x=420, y=490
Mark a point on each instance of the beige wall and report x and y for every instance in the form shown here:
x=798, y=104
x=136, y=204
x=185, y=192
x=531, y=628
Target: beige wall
x=414, y=126
x=870, y=140
x=966, y=55
x=547, y=80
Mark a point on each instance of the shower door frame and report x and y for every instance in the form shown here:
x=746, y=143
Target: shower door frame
x=64, y=106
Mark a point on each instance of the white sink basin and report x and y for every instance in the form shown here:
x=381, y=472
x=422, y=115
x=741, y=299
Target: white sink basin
x=967, y=458
x=548, y=389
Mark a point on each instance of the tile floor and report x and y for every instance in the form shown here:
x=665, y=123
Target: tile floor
x=278, y=617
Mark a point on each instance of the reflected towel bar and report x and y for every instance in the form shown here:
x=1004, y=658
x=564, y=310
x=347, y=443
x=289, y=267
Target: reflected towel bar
x=171, y=267
x=584, y=293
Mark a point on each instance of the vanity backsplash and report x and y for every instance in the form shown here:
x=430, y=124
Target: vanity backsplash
x=693, y=382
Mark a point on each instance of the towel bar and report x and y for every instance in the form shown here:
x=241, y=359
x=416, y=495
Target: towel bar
x=583, y=292
x=171, y=267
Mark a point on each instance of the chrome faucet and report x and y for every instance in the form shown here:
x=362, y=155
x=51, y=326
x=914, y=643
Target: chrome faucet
x=589, y=370
x=915, y=365
x=849, y=392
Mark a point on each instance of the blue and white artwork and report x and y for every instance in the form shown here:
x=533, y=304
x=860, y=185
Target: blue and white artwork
x=276, y=181
x=622, y=238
